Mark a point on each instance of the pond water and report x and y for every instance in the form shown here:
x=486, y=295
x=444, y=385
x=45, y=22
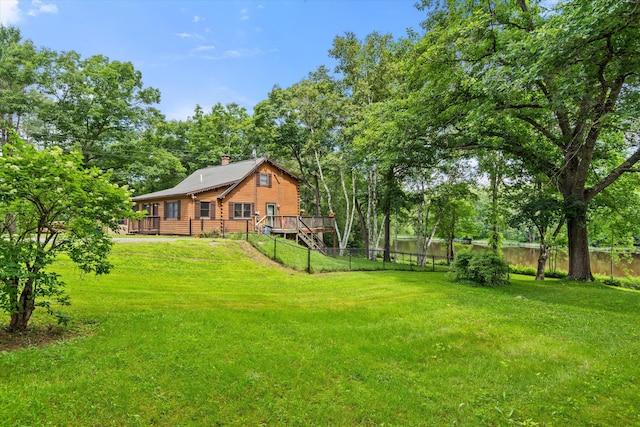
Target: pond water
x=600, y=260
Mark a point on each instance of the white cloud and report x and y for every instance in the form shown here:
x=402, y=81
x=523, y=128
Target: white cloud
x=197, y=19
x=185, y=35
x=37, y=8
x=232, y=54
x=9, y=12
x=238, y=53
x=244, y=14
x=209, y=47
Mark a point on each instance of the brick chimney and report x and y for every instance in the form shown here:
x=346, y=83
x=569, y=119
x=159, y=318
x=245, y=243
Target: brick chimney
x=225, y=159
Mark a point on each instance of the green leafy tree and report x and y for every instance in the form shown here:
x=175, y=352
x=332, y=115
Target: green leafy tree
x=456, y=211
x=374, y=127
x=432, y=193
x=225, y=129
x=614, y=219
x=300, y=124
x=537, y=205
x=49, y=204
x=549, y=87
x=92, y=104
x=19, y=63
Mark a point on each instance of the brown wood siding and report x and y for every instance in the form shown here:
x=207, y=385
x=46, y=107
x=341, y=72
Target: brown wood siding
x=284, y=192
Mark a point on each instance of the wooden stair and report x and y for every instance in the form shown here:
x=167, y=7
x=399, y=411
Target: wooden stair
x=310, y=238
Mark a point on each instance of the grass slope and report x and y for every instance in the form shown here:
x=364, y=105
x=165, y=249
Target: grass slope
x=198, y=333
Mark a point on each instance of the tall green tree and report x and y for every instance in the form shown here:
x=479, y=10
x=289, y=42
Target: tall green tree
x=550, y=87
x=19, y=65
x=536, y=203
x=50, y=204
x=224, y=130
x=92, y=104
x=368, y=72
x=300, y=124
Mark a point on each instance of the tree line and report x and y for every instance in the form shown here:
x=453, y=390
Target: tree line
x=497, y=116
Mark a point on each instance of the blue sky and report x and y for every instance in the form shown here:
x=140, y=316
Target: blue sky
x=204, y=52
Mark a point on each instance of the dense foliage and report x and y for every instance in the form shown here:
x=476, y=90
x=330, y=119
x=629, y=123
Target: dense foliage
x=485, y=269
x=50, y=204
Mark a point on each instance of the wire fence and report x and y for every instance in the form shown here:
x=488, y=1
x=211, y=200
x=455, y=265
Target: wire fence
x=303, y=258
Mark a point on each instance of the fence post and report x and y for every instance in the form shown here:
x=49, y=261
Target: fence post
x=350, y=254
x=275, y=244
x=190, y=231
x=309, y=260
x=433, y=262
x=247, y=231
x=411, y=265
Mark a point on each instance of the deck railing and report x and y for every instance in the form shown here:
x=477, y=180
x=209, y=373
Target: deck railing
x=148, y=224
x=292, y=224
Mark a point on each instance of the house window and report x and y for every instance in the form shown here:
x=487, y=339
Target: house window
x=172, y=210
x=205, y=209
x=242, y=210
x=152, y=209
x=263, y=179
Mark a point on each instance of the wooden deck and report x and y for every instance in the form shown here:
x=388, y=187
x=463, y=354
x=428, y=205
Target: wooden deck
x=308, y=229
x=146, y=225
x=282, y=224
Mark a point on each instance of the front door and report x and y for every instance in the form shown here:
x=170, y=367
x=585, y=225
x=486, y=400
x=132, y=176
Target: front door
x=271, y=214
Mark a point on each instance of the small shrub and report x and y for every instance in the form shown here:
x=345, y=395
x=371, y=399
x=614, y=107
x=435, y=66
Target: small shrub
x=461, y=265
x=523, y=269
x=558, y=274
x=612, y=282
x=484, y=268
x=238, y=235
x=531, y=271
x=627, y=282
x=214, y=232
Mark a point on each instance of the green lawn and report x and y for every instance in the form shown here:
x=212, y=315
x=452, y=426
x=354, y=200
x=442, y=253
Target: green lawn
x=193, y=332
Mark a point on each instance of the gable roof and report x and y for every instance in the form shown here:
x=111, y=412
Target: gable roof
x=211, y=178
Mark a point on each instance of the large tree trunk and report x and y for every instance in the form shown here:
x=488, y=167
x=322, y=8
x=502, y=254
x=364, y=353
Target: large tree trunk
x=579, y=262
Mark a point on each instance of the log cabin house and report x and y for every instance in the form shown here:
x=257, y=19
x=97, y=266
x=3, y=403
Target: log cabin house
x=254, y=195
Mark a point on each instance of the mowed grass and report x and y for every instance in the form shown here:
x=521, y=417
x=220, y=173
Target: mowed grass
x=199, y=333
x=298, y=257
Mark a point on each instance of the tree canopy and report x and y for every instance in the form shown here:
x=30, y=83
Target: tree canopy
x=558, y=89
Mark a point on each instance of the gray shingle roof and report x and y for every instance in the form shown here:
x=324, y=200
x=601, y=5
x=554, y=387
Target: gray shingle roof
x=207, y=179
